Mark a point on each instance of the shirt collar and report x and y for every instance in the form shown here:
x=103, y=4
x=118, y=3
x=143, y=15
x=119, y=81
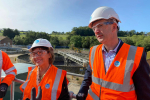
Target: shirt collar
x=115, y=50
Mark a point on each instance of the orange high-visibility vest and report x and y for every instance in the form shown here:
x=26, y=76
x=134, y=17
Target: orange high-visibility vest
x=9, y=69
x=51, y=84
x=117, y=83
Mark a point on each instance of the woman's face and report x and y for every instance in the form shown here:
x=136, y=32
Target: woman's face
x=40, y=57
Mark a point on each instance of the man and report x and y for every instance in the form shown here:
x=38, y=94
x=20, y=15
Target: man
x=10, y=71
x=116, y=71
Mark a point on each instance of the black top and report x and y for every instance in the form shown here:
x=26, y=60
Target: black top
x=64, y=91
x=140, y=78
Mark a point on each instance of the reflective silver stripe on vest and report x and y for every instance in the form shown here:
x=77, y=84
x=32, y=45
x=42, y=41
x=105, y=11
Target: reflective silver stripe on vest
x=125, y=87
x=8, y=71
x=26, y=82
x=1, y=63
x=32, y=67
x=13, y=73
x=56, y=84
x=93, y=95
x=93, y=55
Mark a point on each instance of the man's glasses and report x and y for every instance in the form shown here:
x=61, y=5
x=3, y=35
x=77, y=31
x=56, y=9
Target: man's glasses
x=99, y=25
x=38, y=53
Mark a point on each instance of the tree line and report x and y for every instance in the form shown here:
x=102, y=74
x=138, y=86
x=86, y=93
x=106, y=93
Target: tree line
x=10, y=32
x=82, y=31
x=30, y=37
x=80, y=41
x=81, y=37
x=86, y=31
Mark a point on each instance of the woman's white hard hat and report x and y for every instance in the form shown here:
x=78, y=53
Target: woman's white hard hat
x=40, y=43
x=103, y=13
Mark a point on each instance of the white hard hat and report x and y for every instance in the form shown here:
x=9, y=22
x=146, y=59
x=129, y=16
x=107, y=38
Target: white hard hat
x=40, y=43
x=103, y=13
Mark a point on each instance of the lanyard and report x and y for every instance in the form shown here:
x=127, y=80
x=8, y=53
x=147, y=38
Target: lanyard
x=38, y=80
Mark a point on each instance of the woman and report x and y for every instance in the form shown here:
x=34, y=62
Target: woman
x=52, y=80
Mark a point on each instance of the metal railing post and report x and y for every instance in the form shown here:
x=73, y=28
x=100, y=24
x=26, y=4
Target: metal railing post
x=12, y=91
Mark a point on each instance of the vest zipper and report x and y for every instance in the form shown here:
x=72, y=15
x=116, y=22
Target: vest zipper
x=102, y=81
x=100, y=91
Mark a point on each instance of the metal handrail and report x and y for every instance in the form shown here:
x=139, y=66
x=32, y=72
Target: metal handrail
x=12, y=86
x=75, y=58
x=72, y=95
x=74, y=74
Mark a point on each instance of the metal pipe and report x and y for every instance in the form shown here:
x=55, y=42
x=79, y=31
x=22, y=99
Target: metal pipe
x=74, y=74
x=12, y=90
x=12, y=86
x=18, y=80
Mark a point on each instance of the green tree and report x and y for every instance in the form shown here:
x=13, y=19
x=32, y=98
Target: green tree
x=146, y=43
x=82, y=31
x=31, y=36
x=67, y=41
x=131, y=33
x=93, y=41
x=73, y=32
x=148, y=33
x=122, y=33
x=16, y=32
x=86, y=42
x=76, y=40
x=54, y=41
x=137, y=38
x=127, y=40
x=139, y=43
x=67, y=33
x=140, y=33
x=9, y=33
x=18, y=40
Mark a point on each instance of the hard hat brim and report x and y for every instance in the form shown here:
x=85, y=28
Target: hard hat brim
x=37, y=47
x=96, y=19
x=99, y=18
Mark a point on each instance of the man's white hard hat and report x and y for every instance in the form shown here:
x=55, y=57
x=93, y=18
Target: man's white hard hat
x=40, y=43
x=103, y=13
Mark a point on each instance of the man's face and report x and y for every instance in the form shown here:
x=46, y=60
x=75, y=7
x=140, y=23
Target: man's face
x=103, y=31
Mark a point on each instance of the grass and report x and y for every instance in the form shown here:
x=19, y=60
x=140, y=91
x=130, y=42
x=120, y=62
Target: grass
x=77, y=78
x=21, y=32
x=23, y=35
x=1, y=34
x=59, y=36
x=148, y=55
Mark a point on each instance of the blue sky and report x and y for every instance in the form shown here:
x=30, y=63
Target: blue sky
x=63, y=15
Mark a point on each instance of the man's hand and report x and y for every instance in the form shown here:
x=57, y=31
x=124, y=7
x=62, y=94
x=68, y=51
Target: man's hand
x=3, y=89
x=33, y=94
x=81, y=96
